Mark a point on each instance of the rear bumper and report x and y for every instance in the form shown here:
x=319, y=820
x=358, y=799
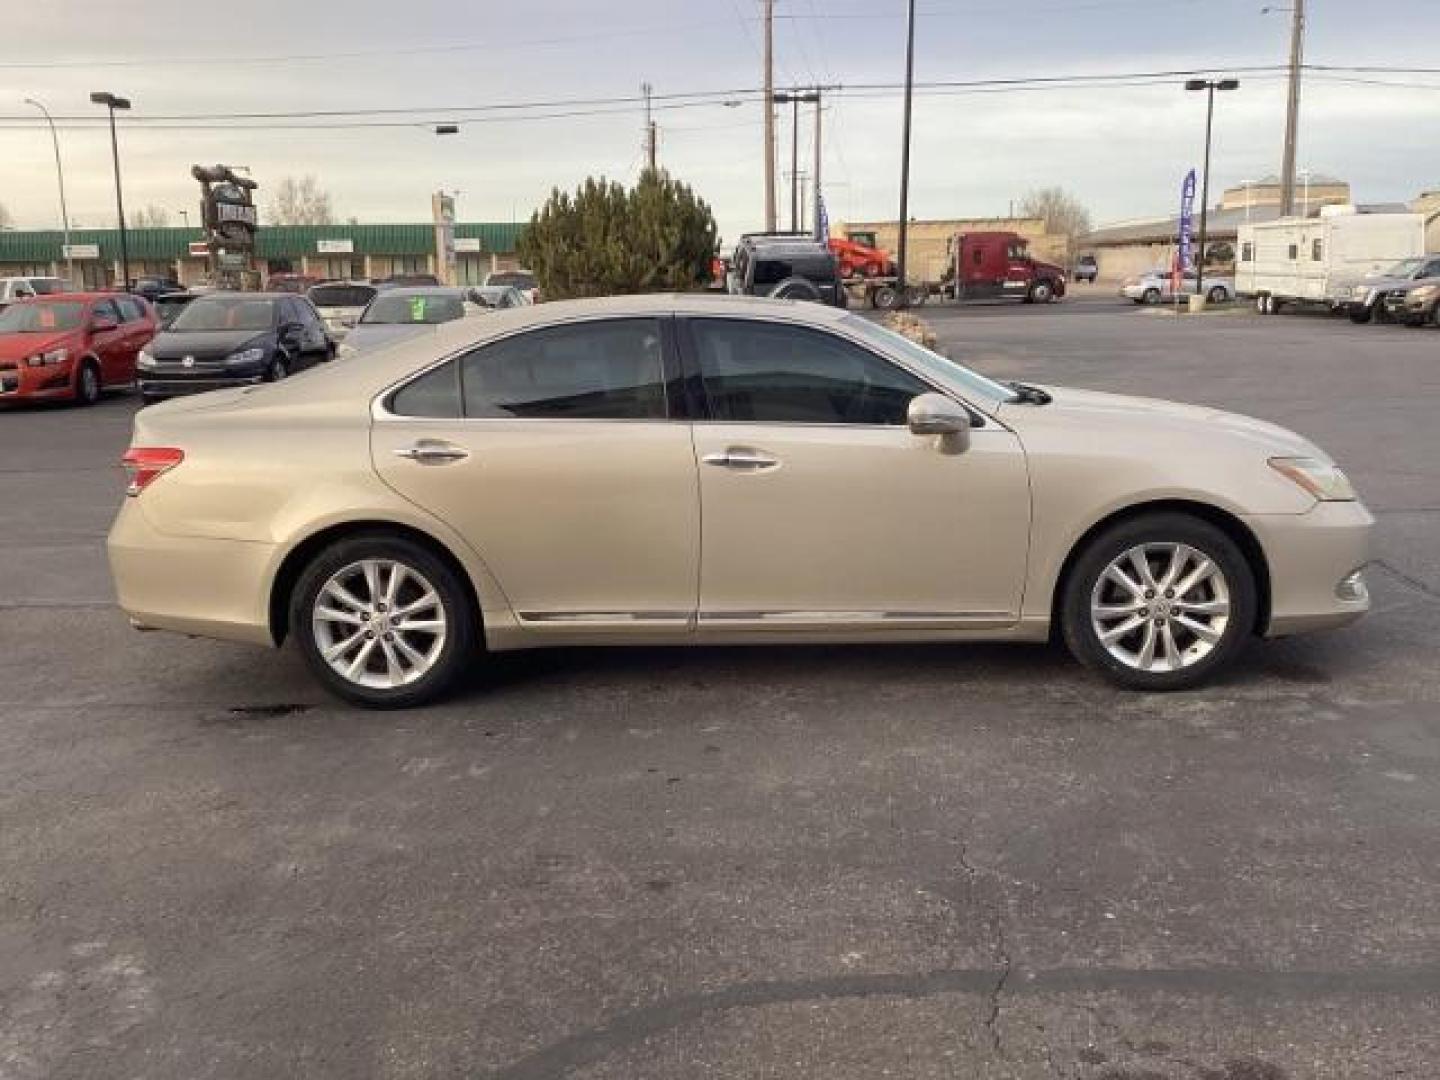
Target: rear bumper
x=192, y=585
x=1310, y=558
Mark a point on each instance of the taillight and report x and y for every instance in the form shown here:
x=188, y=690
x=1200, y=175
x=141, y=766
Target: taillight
x=145, y=464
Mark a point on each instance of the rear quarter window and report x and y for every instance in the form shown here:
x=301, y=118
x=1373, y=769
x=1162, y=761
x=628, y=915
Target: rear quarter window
x=434, y=395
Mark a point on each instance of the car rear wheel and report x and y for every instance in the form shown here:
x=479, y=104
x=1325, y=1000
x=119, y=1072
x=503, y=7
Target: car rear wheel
x=277, y=370
x=87, y=384
x=1160, y=602
x=1150, y=296
x=885, y=297
x=1217, y=294
x=383, y=622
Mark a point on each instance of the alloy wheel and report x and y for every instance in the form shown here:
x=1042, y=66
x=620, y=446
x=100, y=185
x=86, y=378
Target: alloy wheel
x=379, y=623
x=1160, y=607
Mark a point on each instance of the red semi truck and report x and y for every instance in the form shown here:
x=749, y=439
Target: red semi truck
x=987, y=265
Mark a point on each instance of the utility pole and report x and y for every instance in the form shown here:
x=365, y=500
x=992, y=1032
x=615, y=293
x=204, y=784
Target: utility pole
x=905, y=156
x=794, y=161
x=1292, y=111
x=60, y=176
x=817, y=162
x=645, y=89
x=768, y=6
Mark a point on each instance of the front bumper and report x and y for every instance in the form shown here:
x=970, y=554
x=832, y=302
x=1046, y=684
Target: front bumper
x=173, y=382
x=25, y=383
x=192, y=585
x=1312, y=558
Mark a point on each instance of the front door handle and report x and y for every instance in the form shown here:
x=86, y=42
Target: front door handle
x=432, y=452
x=741, y=459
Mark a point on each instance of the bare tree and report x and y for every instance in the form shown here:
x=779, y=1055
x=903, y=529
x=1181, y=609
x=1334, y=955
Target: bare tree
x=6, y=221
x=150, y=217
x=1063, y=214
x=300, y=202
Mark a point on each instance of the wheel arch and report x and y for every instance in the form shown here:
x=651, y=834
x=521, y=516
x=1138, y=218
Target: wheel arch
x=282, y=585
x=1226, y=522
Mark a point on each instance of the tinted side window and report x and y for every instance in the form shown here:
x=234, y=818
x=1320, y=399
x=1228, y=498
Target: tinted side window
x=434, y=394
x=770, y=373
x=130, y=308
x=772, y=271
x=105, y=309
x=607, y=369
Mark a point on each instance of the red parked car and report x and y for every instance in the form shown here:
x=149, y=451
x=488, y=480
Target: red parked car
x=71, y=346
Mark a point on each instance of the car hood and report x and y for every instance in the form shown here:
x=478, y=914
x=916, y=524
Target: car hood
x=19, y=346
x=1382, y=281
x=1112, y=413
x=203, y=343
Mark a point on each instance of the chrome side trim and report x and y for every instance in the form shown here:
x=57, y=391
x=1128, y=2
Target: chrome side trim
x=854, y=616
x=572, y=617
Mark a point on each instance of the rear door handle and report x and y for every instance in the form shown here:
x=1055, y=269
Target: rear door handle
x=432, y=452
x=741, y=459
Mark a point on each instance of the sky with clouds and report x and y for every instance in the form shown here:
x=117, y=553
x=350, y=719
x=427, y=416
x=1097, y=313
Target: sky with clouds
x=1120, y=149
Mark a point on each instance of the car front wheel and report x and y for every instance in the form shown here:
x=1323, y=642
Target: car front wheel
x=1160, y=602
x=383, y=622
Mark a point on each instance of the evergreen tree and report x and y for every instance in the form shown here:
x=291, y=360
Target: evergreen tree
x=657, y=237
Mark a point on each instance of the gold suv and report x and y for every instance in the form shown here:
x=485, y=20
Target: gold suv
x=700, y=469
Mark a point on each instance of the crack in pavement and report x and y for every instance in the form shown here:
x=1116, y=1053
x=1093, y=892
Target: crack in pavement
x=1253, y=985
x=1405, y=579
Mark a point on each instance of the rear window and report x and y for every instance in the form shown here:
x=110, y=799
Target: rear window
x=341, y=295
x=226, y=313
x=49, y=286
x=423, y=309
x=511, y=277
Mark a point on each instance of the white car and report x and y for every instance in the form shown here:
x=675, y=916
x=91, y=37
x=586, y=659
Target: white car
x=23, y=288
x=340, y=304
x=1153, y=287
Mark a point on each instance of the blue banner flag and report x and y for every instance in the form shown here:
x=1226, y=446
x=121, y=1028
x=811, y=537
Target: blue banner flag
x=1187, y=228
x=822, y=220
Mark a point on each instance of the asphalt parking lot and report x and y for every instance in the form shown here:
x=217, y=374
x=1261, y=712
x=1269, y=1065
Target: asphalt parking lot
x=814, y=862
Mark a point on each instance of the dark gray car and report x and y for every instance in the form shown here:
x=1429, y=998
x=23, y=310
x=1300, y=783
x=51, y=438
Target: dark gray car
x=1368, y=298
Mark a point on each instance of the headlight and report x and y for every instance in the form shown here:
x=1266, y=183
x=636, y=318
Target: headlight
x=1321, y=479
x=146, y=359
x=54, y=356
x=246, y=356
x=1425, y=293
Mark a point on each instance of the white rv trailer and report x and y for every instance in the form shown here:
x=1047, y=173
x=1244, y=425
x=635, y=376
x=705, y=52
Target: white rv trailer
x=1319, y=260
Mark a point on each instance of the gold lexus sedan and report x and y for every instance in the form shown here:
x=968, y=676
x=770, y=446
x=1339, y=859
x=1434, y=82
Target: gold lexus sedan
x=698, y=469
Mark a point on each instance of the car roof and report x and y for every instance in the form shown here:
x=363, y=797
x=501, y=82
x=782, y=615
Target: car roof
x=73, y=296
x=428, y=290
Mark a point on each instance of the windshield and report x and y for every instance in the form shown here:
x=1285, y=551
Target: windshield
x=44, y=318
x=1405, y=267
x=928, y=362
x=342, y=295
x=226, y=313
x=423, y=308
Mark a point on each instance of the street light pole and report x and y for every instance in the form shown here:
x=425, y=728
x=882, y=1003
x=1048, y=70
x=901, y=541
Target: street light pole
x=112, y=102
x=60, y=177
x=1209, y=86
x=905, y=156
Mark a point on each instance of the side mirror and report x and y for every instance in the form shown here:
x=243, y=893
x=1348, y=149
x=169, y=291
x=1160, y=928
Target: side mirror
x=101, y=323
x=936, y=414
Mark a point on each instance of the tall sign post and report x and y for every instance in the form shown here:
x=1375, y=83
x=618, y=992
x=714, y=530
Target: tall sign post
x=229, y=219
x=1187, y=226
x=442, y=208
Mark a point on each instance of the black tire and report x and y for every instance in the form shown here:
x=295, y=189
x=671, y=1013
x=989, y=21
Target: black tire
x=277, y=369
x=1042, y=292
x=460, y=651
x=885, y=297
x=150, y=399
x=1158, y=528
x=87, y=384
x=1217, y=294
x=796, y=288
x=1379, y=313
x=1360, y=316
x=1150, y=296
